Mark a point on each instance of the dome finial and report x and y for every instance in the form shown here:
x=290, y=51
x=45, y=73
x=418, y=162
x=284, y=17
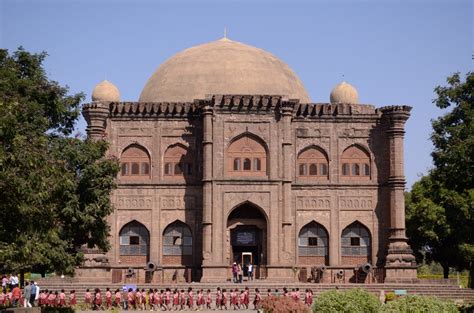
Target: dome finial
x=105, y=91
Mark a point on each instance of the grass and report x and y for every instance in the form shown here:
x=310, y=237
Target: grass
x=463, y=279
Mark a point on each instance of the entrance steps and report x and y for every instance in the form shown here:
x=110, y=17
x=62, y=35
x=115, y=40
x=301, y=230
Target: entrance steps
x=447, y=292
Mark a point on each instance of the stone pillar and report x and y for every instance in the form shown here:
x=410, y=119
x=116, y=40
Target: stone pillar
x=207, y=249
x=400, y=262
x=287, y=220
x=96, y=114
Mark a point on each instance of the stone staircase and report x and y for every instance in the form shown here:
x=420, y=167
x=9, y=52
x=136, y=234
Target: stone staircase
x=446, y=292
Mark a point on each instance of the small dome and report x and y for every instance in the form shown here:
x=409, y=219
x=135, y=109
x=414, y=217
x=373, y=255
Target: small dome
x=105, y=91
x=344, y=93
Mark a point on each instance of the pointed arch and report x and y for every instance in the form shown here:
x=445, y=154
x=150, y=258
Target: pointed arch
x=313, y=163
x=313, y=240
x=355, y=162
x=178, y=161
x=356, y=241
x=177, y=239
x=247, y=210
x=247, y=156
x=134, y=240
x=135, y=162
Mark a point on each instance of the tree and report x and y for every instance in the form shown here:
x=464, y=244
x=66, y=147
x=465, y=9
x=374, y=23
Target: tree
x=444, y=199
x=54, y=188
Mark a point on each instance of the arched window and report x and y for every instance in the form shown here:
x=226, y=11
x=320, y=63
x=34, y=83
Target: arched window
x=135, y=162
x=355, y=240
x=134, y=239
x=355, y=163
x=178, y=162
x=313, y=240
x=177, y=239
x=247, y=156
x=313, y=163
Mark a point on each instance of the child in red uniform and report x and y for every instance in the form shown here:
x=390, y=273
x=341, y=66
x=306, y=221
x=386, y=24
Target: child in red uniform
x=3, y=298
x=242, y=299
x=218, y=298
x=182, y=298
x=130, y=299
x=190, y=298
x=97, y=299
x=199, y=300
x=72, y=298
x=308, y=299
x=258, y=298
x=143, y=299
x=233, y=299
x=87, y=299
x=175, y=299
x=62, y=299
x=225, y=297
x=108, y=299
x=118, y=298
x=247, y=297
x=208, y=299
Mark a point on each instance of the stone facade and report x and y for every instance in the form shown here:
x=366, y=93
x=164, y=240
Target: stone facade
x=207, y=197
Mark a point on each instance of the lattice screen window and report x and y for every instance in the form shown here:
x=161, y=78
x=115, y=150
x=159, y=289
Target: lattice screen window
x=355, y=163
x=135, y=162
x=246, y=156
x=313, y=240
x=313, y=163
x=134, y=239
x=177, y=240
x=355, y=240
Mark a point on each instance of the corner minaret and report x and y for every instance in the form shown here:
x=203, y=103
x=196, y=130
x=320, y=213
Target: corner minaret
x=96, y=113
x=400, y=261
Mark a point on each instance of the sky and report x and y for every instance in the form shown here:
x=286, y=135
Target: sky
x=393, y=52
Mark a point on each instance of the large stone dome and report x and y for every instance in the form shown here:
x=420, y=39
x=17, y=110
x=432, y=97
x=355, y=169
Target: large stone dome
x=222, y=67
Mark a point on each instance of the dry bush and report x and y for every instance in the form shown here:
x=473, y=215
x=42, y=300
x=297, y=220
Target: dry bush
x=283, y=305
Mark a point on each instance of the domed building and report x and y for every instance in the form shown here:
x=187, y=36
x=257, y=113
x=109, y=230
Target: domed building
x=225, y=159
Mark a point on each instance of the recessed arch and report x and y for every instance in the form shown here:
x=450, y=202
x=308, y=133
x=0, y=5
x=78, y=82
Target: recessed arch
x=247, y=235
x=356, y=243
x=313, y=163
x=247, y=156
x=135, y=162
x=356, y=163
x=178, y=161
x=134, y=239
x=313, y=240
x=177, y=239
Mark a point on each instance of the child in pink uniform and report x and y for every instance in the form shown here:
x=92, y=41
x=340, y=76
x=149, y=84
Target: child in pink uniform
x=87, y=299
x=72, y=298
x=208, y=299
x=308, y=299
x=258, y=298
x=118, y=298
x=190, y=298
x=218, y=298
x=108, y=299
x=233, y=299
x=242, y=300
x=62, y=298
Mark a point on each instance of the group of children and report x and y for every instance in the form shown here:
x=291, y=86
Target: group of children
x=167, y=300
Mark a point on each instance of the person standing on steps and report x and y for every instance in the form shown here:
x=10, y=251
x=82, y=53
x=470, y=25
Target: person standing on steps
x=239, y=272
x=250, y=271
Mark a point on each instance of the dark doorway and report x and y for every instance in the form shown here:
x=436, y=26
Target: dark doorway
x=247, y=226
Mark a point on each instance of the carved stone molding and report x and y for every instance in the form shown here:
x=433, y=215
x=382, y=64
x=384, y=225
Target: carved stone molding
x=352, y=132
x=260, y=129
x=349, y=203
x=178, y=202
x=135, y=131
x=130, y=202
x=233, y=199
x=313, y=203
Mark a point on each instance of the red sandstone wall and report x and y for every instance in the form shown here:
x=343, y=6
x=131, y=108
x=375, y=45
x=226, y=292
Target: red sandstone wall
x=354, y=260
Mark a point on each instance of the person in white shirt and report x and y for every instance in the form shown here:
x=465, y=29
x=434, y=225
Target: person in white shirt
x=250, y=271
x=14, y=280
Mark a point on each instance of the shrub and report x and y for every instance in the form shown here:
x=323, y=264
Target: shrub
x=418, y=304
x=283, y=305
x=351, y=301
x=57, y=310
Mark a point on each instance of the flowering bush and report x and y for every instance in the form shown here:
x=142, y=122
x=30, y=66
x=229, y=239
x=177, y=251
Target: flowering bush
x=283, y=305
x=351, y=301
x=418, y=304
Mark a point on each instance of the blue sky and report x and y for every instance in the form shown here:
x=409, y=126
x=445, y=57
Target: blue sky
x=393, y=52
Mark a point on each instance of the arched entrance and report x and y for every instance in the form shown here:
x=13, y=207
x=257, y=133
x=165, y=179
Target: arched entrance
x=247, y=231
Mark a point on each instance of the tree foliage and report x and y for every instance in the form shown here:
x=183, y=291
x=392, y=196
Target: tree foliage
x=440, y=207
x=413, y=303
x=54, y=189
